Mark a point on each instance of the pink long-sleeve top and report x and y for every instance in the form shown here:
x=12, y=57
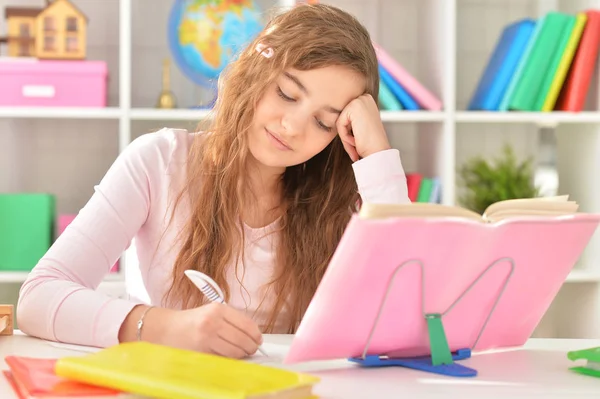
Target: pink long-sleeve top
x=58, y=300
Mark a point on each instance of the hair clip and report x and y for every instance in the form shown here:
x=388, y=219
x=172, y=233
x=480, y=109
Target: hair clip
x=265, y=51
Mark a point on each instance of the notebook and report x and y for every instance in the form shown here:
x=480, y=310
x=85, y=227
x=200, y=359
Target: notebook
x=35, y=378
x=491, y=277
x=170, y=373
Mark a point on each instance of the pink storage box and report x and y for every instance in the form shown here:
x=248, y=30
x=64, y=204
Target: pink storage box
x=61, y=224
x=31, y=82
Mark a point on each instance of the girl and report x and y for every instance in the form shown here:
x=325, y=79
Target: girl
x=258, y=201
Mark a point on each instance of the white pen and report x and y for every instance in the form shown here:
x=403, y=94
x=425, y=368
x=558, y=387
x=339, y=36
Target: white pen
x=210, y=289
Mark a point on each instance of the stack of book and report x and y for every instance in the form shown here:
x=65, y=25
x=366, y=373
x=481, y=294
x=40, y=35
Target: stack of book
x=423, y=188
x=541, y=65
x=399, y=90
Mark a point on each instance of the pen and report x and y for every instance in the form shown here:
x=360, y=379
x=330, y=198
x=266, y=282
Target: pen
x=210, y=289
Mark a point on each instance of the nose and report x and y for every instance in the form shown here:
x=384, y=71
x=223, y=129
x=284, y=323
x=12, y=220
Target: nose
x=293, y=123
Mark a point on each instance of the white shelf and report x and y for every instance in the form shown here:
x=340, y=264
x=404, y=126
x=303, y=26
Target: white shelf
x=60, y=112
x=19, y=277
x=539, y=118
x=13, y=277
x=547, y=119
x=152, y=114
x=412, y=116
x=196, y=114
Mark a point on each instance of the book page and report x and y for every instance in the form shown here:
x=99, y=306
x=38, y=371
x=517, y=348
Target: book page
x=543, y=206
x=416, y=209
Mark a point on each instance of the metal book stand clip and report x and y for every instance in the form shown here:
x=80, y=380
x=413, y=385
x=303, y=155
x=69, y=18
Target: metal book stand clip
x=441, y=360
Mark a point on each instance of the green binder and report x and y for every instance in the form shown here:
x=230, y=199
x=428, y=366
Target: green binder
x=539, y=61
x=555, y=62
x=26, y=229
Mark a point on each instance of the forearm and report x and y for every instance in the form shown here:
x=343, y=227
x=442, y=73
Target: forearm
x=62, y=310
x=154, y=326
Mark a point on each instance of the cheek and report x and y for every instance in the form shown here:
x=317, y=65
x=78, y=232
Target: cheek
x=266, y=108
x=319, y=141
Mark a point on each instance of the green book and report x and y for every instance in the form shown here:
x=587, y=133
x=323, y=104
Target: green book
x=425, y=190
x=539, y=61
x=522, y=61
x=555, y=62
x=387, y=99
x=26, y=229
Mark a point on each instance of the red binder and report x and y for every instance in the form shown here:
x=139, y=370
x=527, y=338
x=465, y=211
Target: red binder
x=574, y=91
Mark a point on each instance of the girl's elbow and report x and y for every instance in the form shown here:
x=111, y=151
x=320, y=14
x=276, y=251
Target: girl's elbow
x=29, y=313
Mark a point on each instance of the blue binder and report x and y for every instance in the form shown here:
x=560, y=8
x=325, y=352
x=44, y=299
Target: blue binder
x=502, y=65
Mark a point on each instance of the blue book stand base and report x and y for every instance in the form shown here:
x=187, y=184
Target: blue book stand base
x=422, y=363
x=442, y=360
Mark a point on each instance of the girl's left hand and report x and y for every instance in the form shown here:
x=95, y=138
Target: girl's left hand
x=361, y=129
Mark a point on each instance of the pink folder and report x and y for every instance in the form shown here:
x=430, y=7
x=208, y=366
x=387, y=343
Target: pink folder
x=424, y=265
x=419, y=92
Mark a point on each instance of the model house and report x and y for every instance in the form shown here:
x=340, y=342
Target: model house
x=57, y=31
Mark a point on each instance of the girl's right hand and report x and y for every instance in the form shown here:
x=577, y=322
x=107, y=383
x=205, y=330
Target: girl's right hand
x=214, y=328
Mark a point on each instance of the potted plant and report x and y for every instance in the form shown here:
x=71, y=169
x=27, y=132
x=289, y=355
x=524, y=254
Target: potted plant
x=486, y=183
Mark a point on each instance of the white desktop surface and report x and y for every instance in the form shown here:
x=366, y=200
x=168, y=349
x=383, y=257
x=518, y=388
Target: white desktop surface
x=538, y=370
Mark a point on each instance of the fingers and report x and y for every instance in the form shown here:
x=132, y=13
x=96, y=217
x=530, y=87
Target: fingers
x=243, y=323
x=222, y=347
x=351, y=150
x=238, y=339
x=344, y=126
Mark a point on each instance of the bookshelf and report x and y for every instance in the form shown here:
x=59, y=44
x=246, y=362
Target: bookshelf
x=444, y=44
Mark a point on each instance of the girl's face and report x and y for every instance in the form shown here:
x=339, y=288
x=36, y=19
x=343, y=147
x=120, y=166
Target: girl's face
x=295, y=119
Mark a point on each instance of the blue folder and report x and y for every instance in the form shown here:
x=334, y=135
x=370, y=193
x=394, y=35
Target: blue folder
x=502, y=65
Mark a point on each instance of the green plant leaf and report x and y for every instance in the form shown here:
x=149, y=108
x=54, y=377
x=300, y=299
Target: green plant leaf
x=488, y=182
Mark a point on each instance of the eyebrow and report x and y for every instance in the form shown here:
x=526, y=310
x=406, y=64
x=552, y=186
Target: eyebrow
x=303, y=88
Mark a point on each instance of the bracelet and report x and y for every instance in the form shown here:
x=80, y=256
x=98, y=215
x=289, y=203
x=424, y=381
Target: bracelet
x=140, y=323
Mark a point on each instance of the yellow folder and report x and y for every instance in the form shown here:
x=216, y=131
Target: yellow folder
x=163, y=372
x=565, y=63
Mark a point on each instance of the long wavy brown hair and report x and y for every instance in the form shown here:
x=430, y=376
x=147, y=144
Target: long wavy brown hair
x=318, y=197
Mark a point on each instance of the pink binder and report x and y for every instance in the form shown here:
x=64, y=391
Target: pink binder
x=491, y=283
x=419, y=92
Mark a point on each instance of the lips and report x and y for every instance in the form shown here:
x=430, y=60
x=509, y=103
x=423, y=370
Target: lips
x=277, y=139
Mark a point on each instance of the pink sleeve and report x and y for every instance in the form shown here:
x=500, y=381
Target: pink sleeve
x=381, y=179
x=57, y=301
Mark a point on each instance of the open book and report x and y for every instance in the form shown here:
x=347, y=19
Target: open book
x=542, y=206
x=396, y=264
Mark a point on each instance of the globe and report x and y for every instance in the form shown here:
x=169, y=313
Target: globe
x=206, y=35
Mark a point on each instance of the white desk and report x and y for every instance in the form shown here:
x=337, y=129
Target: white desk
x=539, y=370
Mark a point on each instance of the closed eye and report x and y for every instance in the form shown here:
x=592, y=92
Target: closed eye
x=282, y=95
x=324, y=127
x=321, y=125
